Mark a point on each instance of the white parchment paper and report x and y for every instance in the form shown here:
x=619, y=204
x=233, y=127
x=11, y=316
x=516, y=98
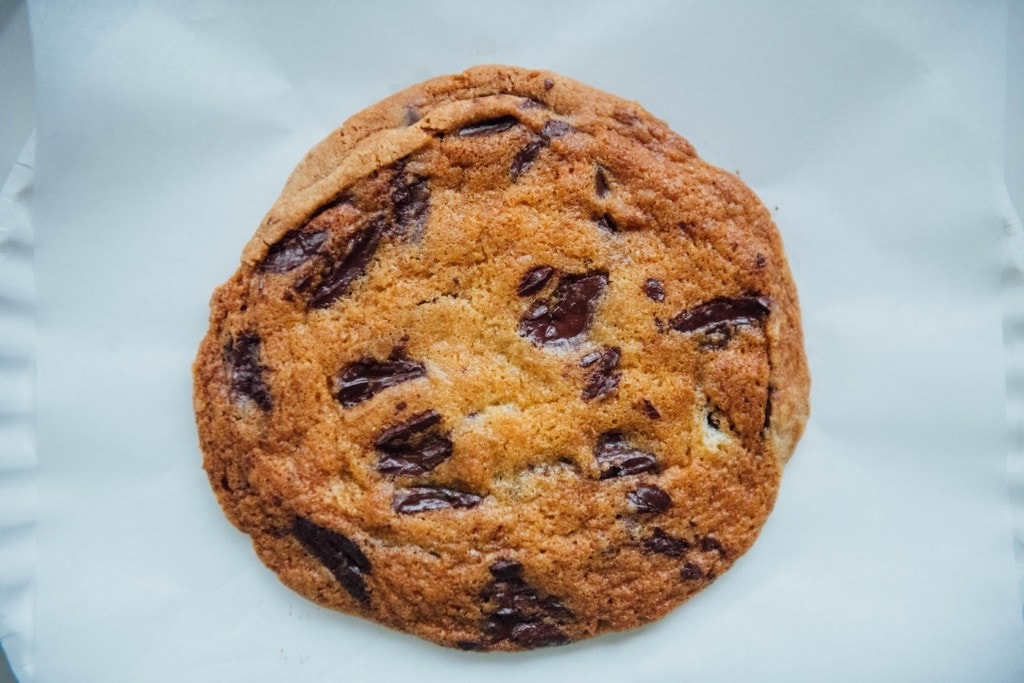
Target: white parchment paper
x=875, y=135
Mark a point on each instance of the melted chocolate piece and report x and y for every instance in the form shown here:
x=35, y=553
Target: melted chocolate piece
x=569, y=311
x=519, y=614
x=722, y=313
x=654, y=290
x=338, y=553
x=426, y=498
x=525, y=157
x=650, y=410
x=603, y=379
x=363, y=379
x=411, y=200
x=601, y=183
x=691, y=572
x=665, y=544
x=711, y=544
x=616, y=458
x=506, y=569
x=292, y=250
x=534, y=280
x=498, y=125
x=556, y=129
x=359, y=250
x=534, y=634
x=649, y=499
x=242, y=356
x=606, y=223
x=411, y=447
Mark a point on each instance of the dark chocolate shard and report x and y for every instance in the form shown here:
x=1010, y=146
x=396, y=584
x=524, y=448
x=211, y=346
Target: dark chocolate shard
x=711, y=544
x=654, y=290
x=721, y=314
x=292, y=250
x=650, y=410
x=691, y=572
x=496, y=125
x=506, y=569
x=367, y=377
x=413, y=447
x=606, y=223
x=664, y=543
x=616, y=458
x=524, y=158
x=534, y=280
x=556, y=129
x=601, y=183
x=338, y=553
x=534, y=634
x=411, y=200
x=242, y=355
x=649, y=499
x=568, y=313
x=519, y=614
x=359, y=250
x=603, y=379
x=427, y=498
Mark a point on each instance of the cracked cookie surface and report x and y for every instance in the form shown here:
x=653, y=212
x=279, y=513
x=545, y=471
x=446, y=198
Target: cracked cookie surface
x=507, y=365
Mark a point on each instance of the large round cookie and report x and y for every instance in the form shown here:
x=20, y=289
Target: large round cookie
x=505, y=366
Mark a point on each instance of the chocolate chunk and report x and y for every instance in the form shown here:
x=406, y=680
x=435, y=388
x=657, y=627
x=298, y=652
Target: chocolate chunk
x=519, y=614
x=616, y=458
x=711, y=544
x=721, y=314
x=601, y=183
x=534, y=280
x=548, y=84
x=665, y=544
x=606, y=223
x=603, y=379
x=525, y=157
x=590, y=359
x=506, y=569
x=292, y=250
x=650, y=410
x=242, y=356
x=760, y=260
x=413, y=447
x=426, y=498
x=556, y=129
x=407, y=430
x=649, y=499
x=469, y=645
x=411, y=200
x=691, y=572
x=569, y=311
x=534, y=634
x=338, y=553
x=359, y=250
x=410, y=114
x=498, y=125
x=363, y=379
x=654, y=290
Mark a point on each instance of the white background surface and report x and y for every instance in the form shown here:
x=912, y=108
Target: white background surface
x=166, y=132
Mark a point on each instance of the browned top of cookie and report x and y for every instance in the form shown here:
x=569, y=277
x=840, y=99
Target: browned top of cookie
x=506, y=365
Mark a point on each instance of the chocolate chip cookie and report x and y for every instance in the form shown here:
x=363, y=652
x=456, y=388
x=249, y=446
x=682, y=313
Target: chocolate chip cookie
x=507, y=365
